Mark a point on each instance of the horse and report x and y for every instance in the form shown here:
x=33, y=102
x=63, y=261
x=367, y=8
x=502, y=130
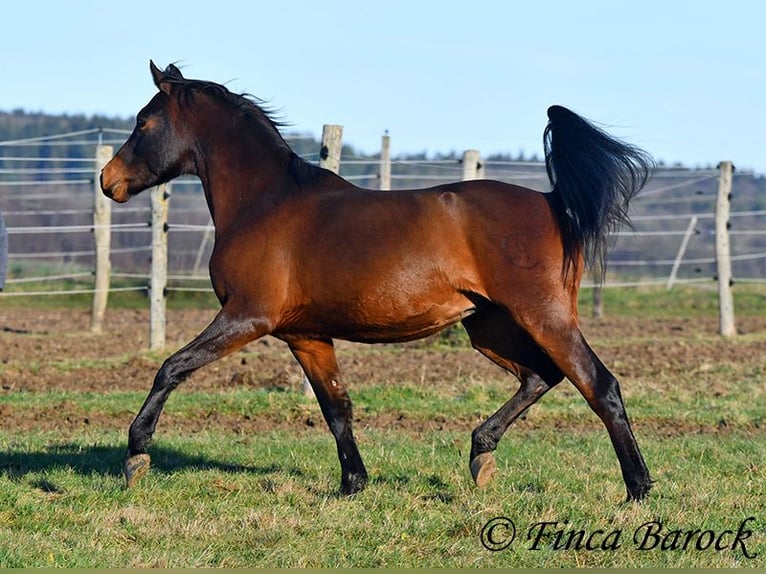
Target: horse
x=305, y=256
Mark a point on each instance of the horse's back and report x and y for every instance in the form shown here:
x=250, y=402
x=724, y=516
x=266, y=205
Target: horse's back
x=452, y=225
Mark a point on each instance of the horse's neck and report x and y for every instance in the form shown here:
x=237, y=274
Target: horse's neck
x=235, y=182
x=312, y=178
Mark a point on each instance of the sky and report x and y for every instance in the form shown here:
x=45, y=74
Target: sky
x=685, y=80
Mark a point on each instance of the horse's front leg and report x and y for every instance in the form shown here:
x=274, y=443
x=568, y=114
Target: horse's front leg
x=317, y=358
x=224, y=335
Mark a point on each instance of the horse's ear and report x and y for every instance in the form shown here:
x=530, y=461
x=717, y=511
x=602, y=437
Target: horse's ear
x=160, y=78
x=172, y=70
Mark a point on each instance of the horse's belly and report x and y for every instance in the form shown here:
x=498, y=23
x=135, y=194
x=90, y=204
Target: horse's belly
x=377, y=320
x=391, y=326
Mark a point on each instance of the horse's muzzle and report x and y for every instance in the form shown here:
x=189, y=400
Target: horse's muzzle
x=112, y=185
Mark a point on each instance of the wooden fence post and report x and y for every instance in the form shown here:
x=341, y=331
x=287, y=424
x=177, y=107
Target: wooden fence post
x=723, y=252
x=332, y=144
x=597, y=275
x=681, y=252
x=3, y=251
x=102, y=219
x=207, y=236
x=472, y=166
x=159, y=270
x=385, y=163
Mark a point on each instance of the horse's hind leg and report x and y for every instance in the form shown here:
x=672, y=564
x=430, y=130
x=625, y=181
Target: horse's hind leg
x=486, y=436
x=494, y=335
x=224, y=335
x=566, y=345
x=317, y=358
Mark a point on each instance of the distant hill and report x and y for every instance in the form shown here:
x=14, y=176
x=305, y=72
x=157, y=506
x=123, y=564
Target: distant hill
x=19, y=124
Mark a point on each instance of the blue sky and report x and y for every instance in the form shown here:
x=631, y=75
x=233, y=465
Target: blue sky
x=686, y=80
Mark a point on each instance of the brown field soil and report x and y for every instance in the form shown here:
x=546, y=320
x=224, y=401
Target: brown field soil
x=44, y=349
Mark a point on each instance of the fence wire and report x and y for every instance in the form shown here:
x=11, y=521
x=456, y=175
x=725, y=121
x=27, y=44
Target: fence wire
x=48, y=204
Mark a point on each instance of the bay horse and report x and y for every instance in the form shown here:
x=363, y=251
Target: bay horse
x=305, y=256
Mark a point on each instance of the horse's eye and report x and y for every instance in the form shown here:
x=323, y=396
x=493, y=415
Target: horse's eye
x=140, y=123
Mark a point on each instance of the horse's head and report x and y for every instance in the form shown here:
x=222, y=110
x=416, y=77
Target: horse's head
x=158, y=149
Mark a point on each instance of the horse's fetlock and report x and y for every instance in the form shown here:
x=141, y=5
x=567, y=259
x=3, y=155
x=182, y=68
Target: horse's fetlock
x=353, y=483
x=482, y=440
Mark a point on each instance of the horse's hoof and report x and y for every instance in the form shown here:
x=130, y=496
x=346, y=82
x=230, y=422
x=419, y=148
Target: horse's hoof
x=483, y=468
x=136, y=466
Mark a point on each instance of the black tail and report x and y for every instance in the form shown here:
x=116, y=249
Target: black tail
x=594, y=177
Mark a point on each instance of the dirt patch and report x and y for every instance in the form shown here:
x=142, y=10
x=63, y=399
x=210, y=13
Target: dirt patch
x=49, y=350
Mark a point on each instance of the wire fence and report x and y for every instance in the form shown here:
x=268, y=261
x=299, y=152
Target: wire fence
x=47, y=203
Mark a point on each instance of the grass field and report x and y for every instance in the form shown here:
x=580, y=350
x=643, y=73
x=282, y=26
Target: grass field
x=245, y=472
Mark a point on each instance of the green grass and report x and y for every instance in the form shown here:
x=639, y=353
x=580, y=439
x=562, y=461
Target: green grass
x=222, y=497
x=270, y=500
x=682, y=301
x=218, y=498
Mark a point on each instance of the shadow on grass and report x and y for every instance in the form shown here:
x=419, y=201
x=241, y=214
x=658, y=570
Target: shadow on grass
x=108, y=461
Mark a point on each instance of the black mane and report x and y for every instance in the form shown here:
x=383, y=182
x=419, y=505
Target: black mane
x=246, y=105
x=251, y=108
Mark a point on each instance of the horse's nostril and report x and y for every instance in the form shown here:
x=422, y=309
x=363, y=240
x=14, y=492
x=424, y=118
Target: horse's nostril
x=106, y=191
